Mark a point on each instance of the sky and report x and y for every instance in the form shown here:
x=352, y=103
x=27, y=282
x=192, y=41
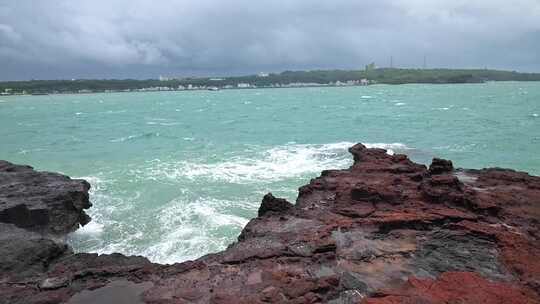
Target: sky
x=65, y=39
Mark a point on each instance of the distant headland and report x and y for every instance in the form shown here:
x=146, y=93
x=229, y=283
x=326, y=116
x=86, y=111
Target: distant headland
x=286, y=79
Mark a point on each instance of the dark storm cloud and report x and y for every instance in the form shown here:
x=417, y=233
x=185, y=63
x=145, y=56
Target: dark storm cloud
x=127, y=38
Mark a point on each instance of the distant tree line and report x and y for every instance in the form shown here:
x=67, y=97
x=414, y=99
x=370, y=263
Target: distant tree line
x=382, y=75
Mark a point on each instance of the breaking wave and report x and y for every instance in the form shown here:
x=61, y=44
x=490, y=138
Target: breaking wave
x=274, y=164
x=209, y=203
x=191, y=228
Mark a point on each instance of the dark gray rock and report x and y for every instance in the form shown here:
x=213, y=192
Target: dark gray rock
x=42, y=201
x=273, y=204
x=352, y=281
x=447, y=251
x=25, y=254
x=439, y=165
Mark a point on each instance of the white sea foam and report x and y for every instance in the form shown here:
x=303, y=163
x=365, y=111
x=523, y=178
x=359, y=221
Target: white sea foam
x=391, y=148
x=366, y=97
x=115, y=112
x=136, y=136
x=26, y=151
x=535, y=114
x=188, y=228
x=92, y=228
x=278, y=163
x=191, y=224
x=107, y=205
x=100, y=194
x=400, y=104
x=95, y=227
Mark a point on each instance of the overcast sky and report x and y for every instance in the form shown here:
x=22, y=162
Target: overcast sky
x=50, y=39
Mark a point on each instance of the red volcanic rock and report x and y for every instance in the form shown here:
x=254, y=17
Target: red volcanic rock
x=385, y=230
x=453, y=287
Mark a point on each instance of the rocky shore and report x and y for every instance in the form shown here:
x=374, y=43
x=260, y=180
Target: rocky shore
x=386, y=230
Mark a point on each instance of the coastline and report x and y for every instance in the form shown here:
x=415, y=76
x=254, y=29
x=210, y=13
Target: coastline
x=312, y=78
x=377, y=232
x=271, y=88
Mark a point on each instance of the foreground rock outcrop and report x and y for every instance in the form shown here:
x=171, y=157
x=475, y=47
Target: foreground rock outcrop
x=386, y=230
x=42, y=201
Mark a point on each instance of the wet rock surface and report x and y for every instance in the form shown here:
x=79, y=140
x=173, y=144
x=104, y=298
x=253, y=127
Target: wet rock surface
x=386, y=230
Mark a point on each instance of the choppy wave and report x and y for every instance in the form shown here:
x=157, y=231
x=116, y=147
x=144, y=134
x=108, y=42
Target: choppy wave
x=106, y=231
x=135, y=136
x=188, y=228
x=195, y=222
x=274, y=164
x=26, y=151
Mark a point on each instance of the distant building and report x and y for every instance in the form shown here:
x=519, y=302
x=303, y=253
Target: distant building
x=163, y=78
x=263, y=74
x=364, y=81
x=217, y=79
x=243, y=85
x=371, y=66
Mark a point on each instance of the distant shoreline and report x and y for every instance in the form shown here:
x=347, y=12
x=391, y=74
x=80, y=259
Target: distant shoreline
x=258, y=88
x=287, y=79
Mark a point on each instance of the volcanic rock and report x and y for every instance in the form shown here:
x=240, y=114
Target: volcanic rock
x=42, y=201
x=386, y=230
x=439, y=166
x=273, y=204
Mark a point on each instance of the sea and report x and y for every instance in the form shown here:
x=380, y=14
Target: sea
x=177, y=175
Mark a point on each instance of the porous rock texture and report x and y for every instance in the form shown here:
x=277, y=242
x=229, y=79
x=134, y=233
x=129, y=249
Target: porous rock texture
x=386, y=230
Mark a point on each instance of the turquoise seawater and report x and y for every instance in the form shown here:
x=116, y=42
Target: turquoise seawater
x=176, y=175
